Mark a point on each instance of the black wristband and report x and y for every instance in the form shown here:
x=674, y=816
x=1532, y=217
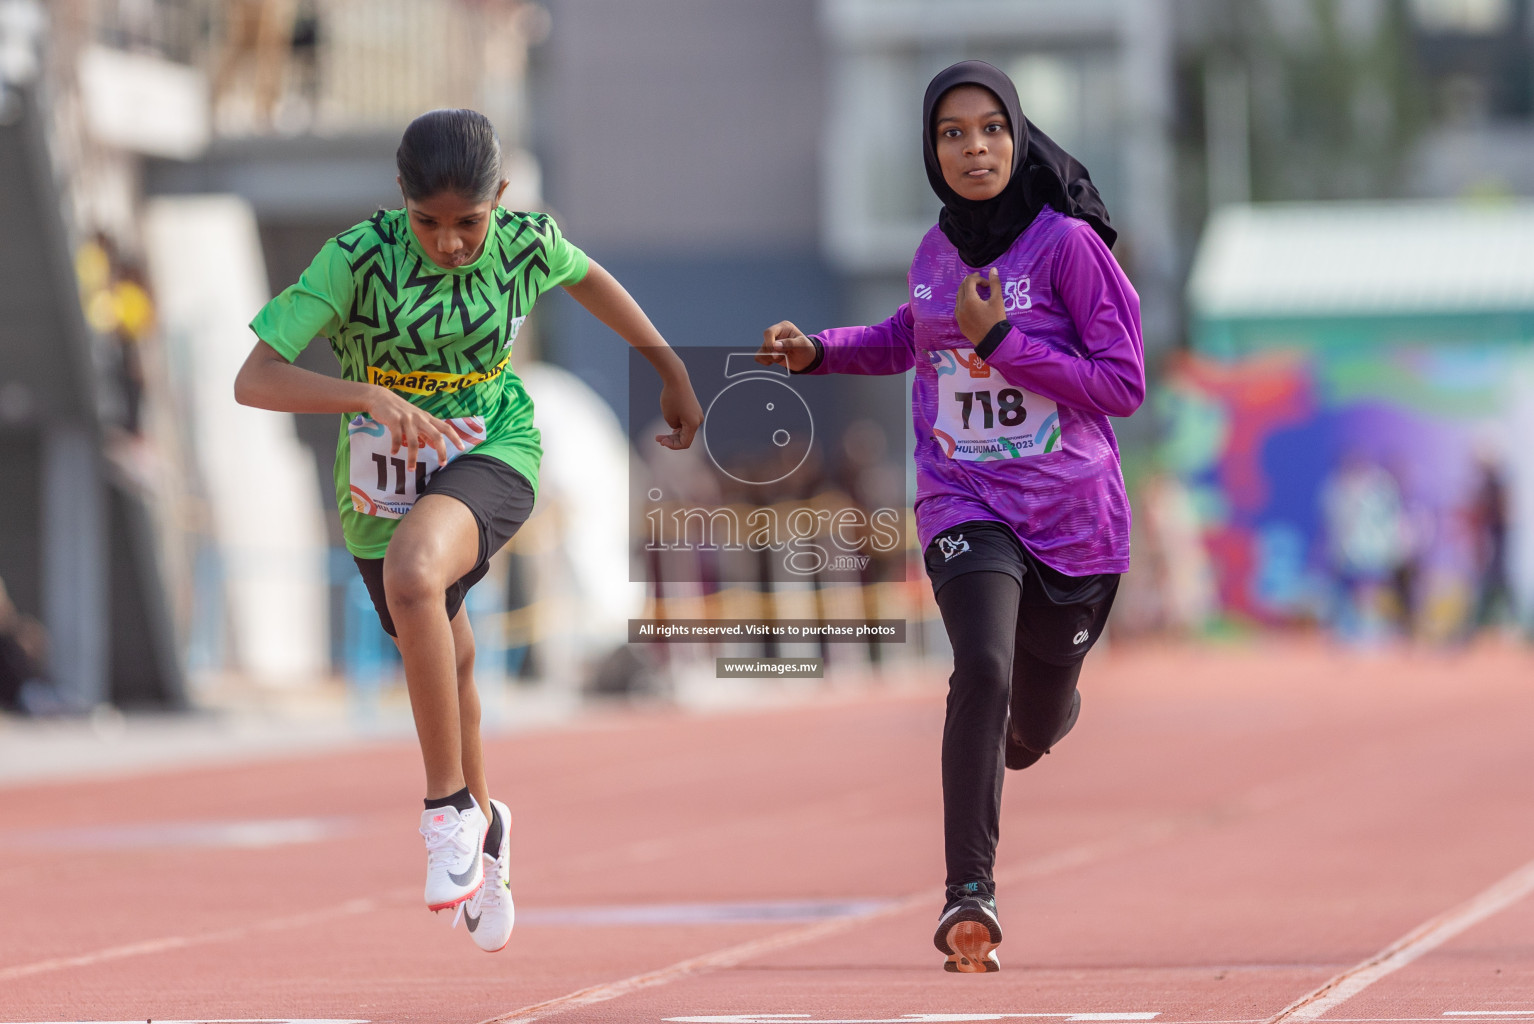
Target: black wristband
x=820, y=355
x=993, y=338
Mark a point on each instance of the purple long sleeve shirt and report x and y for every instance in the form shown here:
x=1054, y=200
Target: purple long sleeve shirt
x=1020, y=436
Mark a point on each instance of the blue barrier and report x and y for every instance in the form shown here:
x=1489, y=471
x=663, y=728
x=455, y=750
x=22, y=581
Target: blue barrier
x=361, y=652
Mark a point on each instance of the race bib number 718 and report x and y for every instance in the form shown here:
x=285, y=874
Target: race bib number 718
x=981, y=416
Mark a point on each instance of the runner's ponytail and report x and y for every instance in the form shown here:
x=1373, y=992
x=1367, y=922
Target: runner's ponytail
x=449, y=151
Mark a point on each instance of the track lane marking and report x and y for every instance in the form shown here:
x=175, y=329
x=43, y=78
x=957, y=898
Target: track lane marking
x=1422, y=939
x=905, y=1018
x=172, y=942
x=1261, y=798
x=720, y=912
x=727, y=957
x=1064, y=859
x=175, y=942
x=248, y=834
x=1146, y=834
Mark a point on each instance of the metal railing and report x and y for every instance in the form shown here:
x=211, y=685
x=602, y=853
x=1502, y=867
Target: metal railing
x=331, y=67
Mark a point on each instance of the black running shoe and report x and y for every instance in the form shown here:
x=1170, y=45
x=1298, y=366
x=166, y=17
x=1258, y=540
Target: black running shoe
x=968, y=930
x=1019, y=756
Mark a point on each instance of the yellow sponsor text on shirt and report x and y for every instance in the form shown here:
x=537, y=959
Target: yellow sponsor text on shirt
x=422, y=382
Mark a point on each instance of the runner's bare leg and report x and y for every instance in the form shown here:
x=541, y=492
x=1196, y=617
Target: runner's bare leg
x=469, y=712
x=435, y=543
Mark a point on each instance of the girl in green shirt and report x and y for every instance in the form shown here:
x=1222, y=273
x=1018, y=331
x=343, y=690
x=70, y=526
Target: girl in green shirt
x=437, y=462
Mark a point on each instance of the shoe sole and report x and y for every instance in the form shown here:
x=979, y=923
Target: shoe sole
x=466, y=897
x=974, y=952
x=505, y=850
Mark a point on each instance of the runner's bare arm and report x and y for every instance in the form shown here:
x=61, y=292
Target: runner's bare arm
x=268, y=381
x=607, y=300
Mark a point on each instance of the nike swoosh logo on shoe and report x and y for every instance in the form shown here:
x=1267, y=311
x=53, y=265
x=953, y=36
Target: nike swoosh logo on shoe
x=471, y=922
x=464, y=878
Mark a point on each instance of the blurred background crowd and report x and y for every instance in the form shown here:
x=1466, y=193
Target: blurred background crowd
x=1324, y=205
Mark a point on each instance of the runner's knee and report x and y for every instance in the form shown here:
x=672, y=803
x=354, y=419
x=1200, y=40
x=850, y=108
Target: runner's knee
x=1042, y=696
x=411, y=578
x=982, y=672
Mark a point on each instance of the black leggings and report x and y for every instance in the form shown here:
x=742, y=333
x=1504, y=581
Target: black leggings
x=993, y=671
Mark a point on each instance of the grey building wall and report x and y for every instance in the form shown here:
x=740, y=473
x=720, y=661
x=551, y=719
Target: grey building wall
x=76, y=546
x=679, y=141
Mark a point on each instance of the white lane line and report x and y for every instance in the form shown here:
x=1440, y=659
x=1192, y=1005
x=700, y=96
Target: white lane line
x=789, y=1019
x=258, y=834
x=905, y=1018
x=1051, y=864
x=728, y=957
x=1063, y=860
x=171, y=942
x=1423, y=939
x=746, y=911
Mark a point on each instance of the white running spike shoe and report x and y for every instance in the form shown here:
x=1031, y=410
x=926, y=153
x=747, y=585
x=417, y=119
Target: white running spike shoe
x=453, y=842
x=490, y=914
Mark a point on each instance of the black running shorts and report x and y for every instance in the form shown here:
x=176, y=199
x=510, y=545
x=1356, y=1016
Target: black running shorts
x=1060, y=617
x=500, y=499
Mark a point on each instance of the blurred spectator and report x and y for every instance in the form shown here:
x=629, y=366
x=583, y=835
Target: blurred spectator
x=93, y=274
x=133, y=313
x=1184, y=575
x=115, y=297
x=304, y=59
x=1488, y=515
x=1416, y=536
x=23, y=649
x=258, y=43
x=1170, y=590
x=1368, y=541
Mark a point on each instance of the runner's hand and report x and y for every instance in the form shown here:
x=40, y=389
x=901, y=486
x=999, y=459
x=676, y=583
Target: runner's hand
x=976, y=316
x=412, y=428
x=679, y=405
x=784, y=342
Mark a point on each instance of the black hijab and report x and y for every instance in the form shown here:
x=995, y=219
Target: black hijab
x=1042, y=174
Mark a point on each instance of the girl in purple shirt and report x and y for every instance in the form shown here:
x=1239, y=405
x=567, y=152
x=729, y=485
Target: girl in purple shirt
x=1025, y=337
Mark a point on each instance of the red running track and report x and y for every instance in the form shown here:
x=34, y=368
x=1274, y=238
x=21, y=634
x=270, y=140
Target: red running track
x=1273, y=834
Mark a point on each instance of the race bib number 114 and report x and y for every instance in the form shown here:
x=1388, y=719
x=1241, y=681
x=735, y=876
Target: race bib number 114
x=982, y=417
x=382, y=484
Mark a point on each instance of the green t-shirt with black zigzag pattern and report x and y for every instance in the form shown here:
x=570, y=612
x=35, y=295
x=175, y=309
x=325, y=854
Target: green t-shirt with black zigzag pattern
x=438, y=337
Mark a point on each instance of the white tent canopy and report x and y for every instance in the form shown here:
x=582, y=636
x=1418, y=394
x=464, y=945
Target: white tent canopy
x=1358, y=258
